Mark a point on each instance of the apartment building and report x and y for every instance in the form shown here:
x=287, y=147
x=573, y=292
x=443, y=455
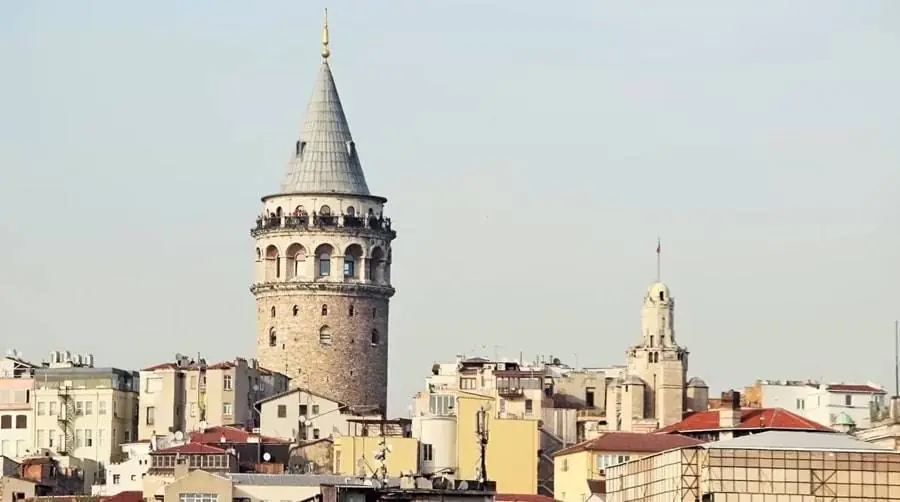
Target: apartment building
x=84, y=412
x=302, y=415
x=188, y=394
x=830, y=404
x=16, y=406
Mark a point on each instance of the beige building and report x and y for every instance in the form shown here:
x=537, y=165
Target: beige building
x=580, y=469
x=84, y=413
x=322, y=273
x=300, y=415
x=186, y=394
x=774, y=466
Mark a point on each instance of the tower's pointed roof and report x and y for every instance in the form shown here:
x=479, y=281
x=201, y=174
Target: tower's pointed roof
x=325, y=158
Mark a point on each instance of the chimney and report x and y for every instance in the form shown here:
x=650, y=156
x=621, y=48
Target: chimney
x=894, y=411
x=730, y=411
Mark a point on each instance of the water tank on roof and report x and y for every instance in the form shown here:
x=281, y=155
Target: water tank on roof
x=67, y=357
x=89, y=360
x=440, y=434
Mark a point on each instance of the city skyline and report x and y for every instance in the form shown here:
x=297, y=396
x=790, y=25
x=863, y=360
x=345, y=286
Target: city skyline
x=532, y=158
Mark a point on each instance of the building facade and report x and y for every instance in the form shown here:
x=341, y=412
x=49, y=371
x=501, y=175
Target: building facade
x=187, y=395
x=322, y=275
x=822, y=402
x=16, y=407
x=84, y=412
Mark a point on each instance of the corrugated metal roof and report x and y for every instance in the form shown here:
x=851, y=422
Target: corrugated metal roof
x=797, y=440
x=325, y=160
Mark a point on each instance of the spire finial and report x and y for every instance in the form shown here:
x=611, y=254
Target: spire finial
x=325, y=50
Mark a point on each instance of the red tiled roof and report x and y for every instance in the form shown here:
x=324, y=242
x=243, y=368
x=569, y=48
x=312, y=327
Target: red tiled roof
x=190, y=448
x=630, y=442
x=127, y=496
x=214, y=435
x=522, y=497
x=847, y=387
x=751, y=418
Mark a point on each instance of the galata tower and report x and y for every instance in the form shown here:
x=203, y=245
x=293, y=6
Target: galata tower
x=322, y=278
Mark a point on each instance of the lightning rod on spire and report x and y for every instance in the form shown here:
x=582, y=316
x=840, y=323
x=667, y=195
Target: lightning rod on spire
x=326, y=51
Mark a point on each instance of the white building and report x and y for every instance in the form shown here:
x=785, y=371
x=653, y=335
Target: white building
x=301, y=415
x=128, y=475
x=821, y=402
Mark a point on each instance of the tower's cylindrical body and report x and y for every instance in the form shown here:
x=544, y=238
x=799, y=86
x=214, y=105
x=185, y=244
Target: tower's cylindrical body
x=322, y=273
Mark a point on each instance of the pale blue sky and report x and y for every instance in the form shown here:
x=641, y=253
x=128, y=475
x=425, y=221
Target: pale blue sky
x=531, y=156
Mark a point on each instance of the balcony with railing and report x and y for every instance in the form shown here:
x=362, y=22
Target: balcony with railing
x=315, y=222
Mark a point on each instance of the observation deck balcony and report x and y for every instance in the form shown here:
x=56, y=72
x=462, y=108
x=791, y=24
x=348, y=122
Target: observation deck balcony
x=305, y=222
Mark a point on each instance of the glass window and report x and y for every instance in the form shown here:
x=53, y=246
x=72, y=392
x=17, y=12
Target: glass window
x=52, y=408
x=324, y=264
x=282, y=411
x=226, y=409
x=42, y=408
x=101, y=408
x=21, y=421
x=6, y=422
x=151, y=415
x=88, y=407
x=198, y=497
x=226, y=382
x=79, y=438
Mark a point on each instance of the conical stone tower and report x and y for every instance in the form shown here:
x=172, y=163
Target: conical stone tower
x=322, y=275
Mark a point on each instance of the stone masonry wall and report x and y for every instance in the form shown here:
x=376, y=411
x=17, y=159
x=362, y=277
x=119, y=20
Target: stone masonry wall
x=351, y=369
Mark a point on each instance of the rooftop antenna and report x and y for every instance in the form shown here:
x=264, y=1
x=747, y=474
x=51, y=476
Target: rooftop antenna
x=658, y=259
x=482, y=433
x=897, y=358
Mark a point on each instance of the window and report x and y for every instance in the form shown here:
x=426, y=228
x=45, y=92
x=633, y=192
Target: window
x=282, y=411
x=801, y=404
x=79, y=438
x=467, y=383
x=88, y=437
x=848, y=400
x=351, y=311
x=273, y=339
x=226, y=409
x=6, y=422
x=226, y=382
x=42, y=408
x=303, y=410
x=427, y=452
x=441, y=405
x=52, y=408
x=325, y=335
x=116, y=478
x=604, y=461
x=296, y=310
x=101, y=437
x=315, y=409
x=88, y=407
x=324, y=309
x=193, y=411
x=21, y=422
x=315, y=433
x=40, y=438
x=272, y=312
x=589, y=397
x=79, y=408
x=374, y=313
x=324, y=263
x=565, y=464
x=101, y=408
x=349, y=266
x=375, y=337
x=529, y=406
x=151, y=415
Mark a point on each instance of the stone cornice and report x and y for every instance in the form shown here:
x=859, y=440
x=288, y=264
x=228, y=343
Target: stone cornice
x=326, y=288
x=349, y=231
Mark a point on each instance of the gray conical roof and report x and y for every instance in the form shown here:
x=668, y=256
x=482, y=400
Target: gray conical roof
x=325, y=160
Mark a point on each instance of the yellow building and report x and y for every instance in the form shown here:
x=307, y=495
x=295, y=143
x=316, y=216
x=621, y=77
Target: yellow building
x=579, y=470
x=358, y=453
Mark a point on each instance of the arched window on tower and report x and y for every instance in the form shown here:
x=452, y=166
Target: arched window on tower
x=325, y=309
x=351, y=311
x=351, y=211
x=273, y=340
x=662, y=296
x=323, y=260
x=374, y=313
x=296, y=310
x=375, y=337
x=273, y=263
x=272, y=312
x=325, y=335
x=352, y=260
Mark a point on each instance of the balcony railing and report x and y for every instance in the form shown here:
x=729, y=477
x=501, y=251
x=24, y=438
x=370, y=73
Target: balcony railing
x=307, y=222
x=510, y=392
x=591, y=413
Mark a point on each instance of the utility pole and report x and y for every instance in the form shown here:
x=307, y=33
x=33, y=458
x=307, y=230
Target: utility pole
x=482, y=432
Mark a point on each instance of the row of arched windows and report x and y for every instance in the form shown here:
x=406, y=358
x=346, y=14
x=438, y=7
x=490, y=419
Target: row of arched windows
x=325, y=337
x=295, y=310
x=295, y=262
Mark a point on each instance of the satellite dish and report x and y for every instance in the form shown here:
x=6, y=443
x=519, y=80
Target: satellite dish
x=267, y=456
x=308, y=423
x=464, y=485
x=179, y=435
